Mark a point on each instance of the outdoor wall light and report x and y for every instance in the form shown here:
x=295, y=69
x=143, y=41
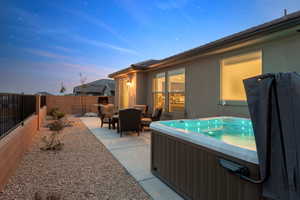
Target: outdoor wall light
x=128, y=83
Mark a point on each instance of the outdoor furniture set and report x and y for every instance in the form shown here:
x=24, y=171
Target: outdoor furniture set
x=133, y=119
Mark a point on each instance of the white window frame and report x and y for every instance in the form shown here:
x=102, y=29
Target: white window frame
x=166, y=92
x=154, y=91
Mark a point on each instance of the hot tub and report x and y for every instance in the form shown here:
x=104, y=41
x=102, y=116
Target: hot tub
x=186, y=153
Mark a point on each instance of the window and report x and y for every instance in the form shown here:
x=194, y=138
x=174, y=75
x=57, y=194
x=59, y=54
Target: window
x=176, y=90
x=159, y=90
x=171, y=95
x=234, y=70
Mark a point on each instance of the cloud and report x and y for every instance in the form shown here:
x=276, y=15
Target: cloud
x=49, y=75
x=137, y=10
x=43, y=53
x=170, y=4
x=96, y=21
x=92, y=69
x=100, y=44
x=61, y=48
x=30, y=22
x=177, y=5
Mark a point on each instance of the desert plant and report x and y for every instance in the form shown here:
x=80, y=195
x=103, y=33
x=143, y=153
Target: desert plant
x=58, y=115
x=39, y=196
x=52, y=111
x=52, y=142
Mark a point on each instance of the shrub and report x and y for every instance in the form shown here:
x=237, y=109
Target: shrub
x=56, y=126
x=52, y=142
x=53, y=111
x=58, y=115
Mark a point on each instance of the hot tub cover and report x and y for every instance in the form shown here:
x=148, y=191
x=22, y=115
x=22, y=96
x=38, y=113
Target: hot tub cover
x=274, y=105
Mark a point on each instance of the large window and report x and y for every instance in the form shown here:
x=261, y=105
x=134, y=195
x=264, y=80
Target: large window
x=234, y=70
x=171, y=95
x=159, y=83
x=176, y=90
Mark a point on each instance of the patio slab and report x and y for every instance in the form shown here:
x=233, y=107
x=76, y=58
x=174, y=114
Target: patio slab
x=134, y=154
x=136, y=160
x=158, y=190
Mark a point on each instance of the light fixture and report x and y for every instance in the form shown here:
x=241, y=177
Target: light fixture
x=128, y=83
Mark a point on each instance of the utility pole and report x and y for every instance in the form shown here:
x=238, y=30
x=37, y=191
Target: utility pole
x=285, y=12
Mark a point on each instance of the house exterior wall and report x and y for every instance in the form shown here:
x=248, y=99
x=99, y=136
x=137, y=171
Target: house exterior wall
x=132, y=89
x=137, y=92
x=141, y=84
x=117, y=91
x=202, y=94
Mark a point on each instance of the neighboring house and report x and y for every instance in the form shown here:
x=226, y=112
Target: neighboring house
x=43, y=93
x=207, y=80
x=102, y=87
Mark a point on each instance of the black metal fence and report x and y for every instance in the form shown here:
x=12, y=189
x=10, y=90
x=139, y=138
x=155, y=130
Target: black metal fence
x=43, y=101
x=14, y=109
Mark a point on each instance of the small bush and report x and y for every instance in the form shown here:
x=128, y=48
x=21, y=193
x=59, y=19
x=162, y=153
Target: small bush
x=39, y=196
x=53, y=111
x=52, y=142
x=56, y=126
x=58, y=115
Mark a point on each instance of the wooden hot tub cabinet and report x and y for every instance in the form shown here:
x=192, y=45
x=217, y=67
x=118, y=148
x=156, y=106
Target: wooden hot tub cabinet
x=194, y=171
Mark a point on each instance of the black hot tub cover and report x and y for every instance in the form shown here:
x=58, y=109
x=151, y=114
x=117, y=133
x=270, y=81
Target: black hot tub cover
x=274, y=105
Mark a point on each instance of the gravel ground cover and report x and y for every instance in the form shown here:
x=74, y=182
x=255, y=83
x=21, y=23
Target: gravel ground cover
x=83, y=169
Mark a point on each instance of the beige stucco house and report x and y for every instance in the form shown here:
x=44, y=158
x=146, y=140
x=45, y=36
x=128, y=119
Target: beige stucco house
x=207, y=80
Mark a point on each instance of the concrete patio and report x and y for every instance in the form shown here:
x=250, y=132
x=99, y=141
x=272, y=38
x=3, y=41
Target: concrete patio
x=134, y=154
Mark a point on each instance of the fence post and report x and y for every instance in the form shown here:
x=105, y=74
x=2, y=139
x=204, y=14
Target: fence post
x=22, y=110
x=37, y=108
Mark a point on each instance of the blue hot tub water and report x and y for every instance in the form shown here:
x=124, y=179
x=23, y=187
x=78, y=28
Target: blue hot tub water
x=231, y=130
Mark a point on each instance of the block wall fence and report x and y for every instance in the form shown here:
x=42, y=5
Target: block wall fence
x=18, y=141
x=75, y=104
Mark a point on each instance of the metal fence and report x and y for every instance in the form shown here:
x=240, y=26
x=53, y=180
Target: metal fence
x=14, y=109
x=43, y=101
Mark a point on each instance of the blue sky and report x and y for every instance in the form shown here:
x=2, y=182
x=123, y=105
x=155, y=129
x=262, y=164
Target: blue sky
x=43, y=43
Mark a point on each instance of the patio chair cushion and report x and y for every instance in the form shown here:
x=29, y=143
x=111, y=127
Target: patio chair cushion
x=143, y=108
x=108, y=110
x=146, y=120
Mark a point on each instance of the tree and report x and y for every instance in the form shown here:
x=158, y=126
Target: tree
x=62, y=88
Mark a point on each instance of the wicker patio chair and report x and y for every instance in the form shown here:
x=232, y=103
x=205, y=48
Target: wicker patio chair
x=106, y=112
x=146, y=121
x=130, y=120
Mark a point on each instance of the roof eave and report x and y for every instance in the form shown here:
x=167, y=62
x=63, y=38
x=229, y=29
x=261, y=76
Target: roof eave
x=227, y=42
x=253, y=33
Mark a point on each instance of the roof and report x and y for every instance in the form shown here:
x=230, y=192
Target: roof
x=276, y=25
x=43, y=93
x=144, y=64
x=137, y=66
x=98, y=86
